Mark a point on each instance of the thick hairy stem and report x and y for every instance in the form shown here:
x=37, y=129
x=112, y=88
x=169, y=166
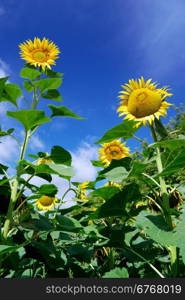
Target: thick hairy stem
x=15, y=184
x=166, y=207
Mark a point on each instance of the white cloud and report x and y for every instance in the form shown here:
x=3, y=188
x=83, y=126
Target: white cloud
x=4, y=68
x=4, y=106
x=36, y=143
x=8, y=150
x=81, y=162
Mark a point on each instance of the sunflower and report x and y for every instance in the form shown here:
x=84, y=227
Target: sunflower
x=84, y=185
x=39, y=53
x=43, y=161
x=110, y=183
x=46, y=202
x=142, y=101
x=113, y=150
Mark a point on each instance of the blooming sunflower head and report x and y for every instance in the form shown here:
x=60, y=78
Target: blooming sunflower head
x=142, y=101
x=113, y=150
x=39, y=53
x=46, y=202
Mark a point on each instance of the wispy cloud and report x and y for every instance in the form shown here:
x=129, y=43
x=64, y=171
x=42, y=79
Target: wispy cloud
x=8, y=150
x=4, y=68
x=81, y=162
x=36, y=143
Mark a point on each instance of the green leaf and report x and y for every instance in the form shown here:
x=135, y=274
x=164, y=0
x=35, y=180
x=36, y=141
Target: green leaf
x=48, y=84
x=170, y=144
x=62, y=111
x=48, y=189
x=137, y=168
x=63, y=171
x=11, y=93
x=97, y=163
x=161, y=130
x=155, y=227
x=117, y=175
x=28, y=86
x=60, y=156
x=68, y=224
x=38, y=224
x=82, y=254
x=8, y=132
x=53, y=95
x=105, y=192
x=124, y=130
x=176, y=164
x=29, y=118
x=29, y=73
x=124, y=162
x=117, y=273
x=116, y=205
x=2, y=84
x=179, y=234
x=3, y=168
x=53, y=74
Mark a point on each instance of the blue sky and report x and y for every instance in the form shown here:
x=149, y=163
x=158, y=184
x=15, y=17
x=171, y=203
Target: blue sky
x=103, y=44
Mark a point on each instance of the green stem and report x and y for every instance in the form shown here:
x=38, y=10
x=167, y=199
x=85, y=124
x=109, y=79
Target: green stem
x=10, y=209
x=174, y=260
x=166, y=206
x=146, y=261
x=15, y=184
x=163, y=187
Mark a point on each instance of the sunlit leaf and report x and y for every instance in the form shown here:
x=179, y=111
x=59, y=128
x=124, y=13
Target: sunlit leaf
x=29, y=118
x=62, y=111
x=124, y=130
x=29, y=73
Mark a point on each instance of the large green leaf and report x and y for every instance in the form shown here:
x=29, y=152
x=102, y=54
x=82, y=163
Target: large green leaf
x=11, y=93
x=105, y=192
x=117, y=175
x=179, y=234
x=62, y=111
x=29, y=73
x=68, y=224
x=117, y=273
x=170, y=144
x=53, y=95
x=175, y=165
x=48, y=189
x=41, y=223
x=61, y=170
x=124, y=162
x=116, y=205
x=29, y=118
x=48, y=84
x=60, y=156
x=124, y=130
x=155, y=227
x=137, y=169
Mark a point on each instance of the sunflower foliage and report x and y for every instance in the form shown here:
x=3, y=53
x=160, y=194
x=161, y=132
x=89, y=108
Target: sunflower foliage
x=128, y=222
